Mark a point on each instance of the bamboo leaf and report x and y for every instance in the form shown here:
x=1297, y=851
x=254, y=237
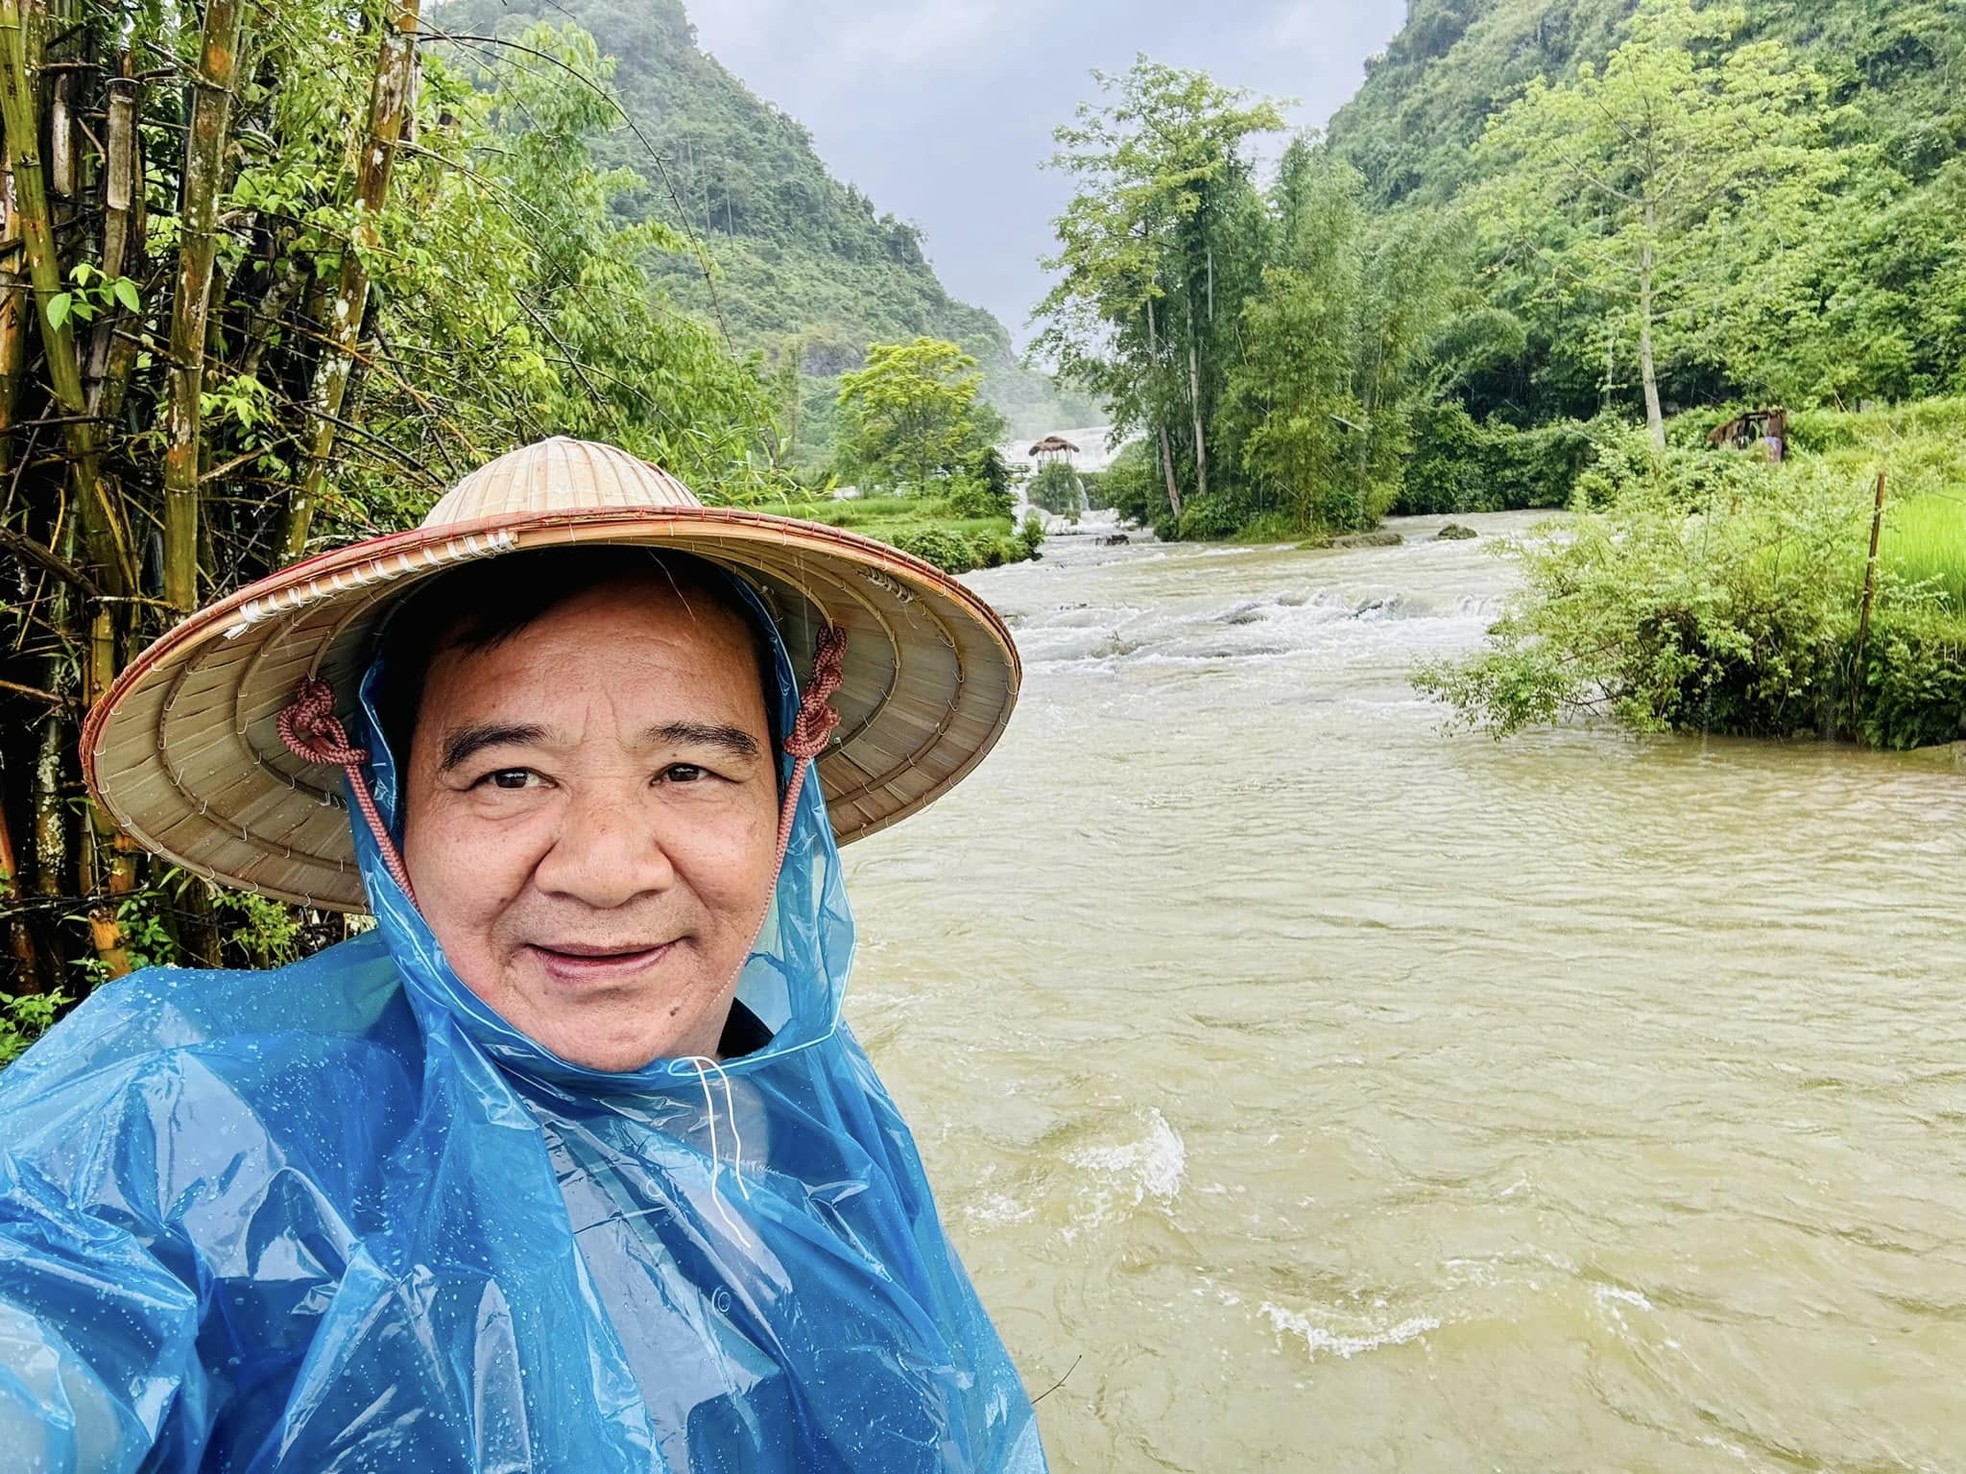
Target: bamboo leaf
x=59, y=307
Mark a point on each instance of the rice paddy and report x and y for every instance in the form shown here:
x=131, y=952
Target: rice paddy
x=1924, y=546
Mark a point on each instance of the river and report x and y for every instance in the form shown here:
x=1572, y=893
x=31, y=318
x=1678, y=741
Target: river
x=1308, y=1087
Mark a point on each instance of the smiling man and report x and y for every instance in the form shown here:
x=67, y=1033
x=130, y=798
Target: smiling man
x=548, y=734
x=569, y=1163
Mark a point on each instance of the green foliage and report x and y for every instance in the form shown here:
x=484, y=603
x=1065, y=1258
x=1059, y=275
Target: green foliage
x=502, y=295
x=910, y=419
x=1648, y=195
x=25, y=1018
x=1714, y=591
x=799, y=260
x=993, y=474
x=1031, y=534
x=1914, y=692
x=1131, y=486
x=1728, y=620
x=929, y=527
x=970, y=497
x=1337, y=348
x=1058, y=489
x=1461, y=466
x=1838, y=279
x=1924, y=543
x=1162, y=243
x=269, y=934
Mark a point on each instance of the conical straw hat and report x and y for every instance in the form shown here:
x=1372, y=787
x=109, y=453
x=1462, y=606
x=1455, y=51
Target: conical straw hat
x=182, y=750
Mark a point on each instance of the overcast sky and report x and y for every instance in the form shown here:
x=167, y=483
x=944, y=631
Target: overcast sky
x=942, y=110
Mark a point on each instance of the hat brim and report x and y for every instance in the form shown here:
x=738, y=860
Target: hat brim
x=183, y=750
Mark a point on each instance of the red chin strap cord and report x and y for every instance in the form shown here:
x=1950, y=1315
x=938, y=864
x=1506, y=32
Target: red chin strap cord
x=314, y=734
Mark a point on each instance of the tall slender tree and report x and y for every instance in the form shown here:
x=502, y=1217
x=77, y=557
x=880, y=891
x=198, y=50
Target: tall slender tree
x=1158, y=249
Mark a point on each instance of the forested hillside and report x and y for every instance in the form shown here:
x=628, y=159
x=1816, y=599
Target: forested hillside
x=1858, y=311
x=1427, y=97
x=801, y=261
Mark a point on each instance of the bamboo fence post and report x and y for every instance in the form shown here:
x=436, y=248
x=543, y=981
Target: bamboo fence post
x=389, y=104
x=204, y=169
x=1870, y=595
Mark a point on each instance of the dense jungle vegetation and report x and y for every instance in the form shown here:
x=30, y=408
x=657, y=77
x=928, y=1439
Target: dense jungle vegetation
x=1535, y=213
x=1548, y=248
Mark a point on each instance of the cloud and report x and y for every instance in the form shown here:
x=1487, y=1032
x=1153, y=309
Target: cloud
x=847, y=42
x=941, y=110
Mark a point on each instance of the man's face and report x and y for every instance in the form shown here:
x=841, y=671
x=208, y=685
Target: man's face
x=591, y=822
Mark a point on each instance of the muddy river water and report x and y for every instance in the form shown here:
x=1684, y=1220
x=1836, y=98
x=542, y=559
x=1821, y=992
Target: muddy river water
x=1311, y=1088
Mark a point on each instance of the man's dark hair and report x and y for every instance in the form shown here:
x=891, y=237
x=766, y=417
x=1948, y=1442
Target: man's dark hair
x=481, y=605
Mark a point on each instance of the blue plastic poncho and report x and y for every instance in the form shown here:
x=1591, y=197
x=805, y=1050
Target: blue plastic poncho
x=342, y=1217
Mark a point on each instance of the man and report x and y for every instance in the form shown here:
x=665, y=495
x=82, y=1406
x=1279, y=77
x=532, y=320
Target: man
x=569, y=1164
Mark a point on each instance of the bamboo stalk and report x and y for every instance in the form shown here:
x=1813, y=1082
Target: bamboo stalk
x=21, y=41
x=204, y=168
x=114, y=858
x=388, y=106
x=111, y=354
x=13, y=321
x=20, y=941
x=50, y=813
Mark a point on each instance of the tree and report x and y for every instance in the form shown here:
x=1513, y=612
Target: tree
x=1337, y=344
x=911, y=416
x=1648, y=186
x=1158, y=249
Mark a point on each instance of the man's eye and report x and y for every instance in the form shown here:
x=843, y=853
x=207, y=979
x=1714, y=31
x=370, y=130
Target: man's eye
x=684, y=773
x=510, y=778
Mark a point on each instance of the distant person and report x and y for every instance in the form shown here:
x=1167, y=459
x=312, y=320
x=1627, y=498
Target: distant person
x=569, y=1165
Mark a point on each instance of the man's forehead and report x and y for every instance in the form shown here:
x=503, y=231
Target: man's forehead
x=595, y=613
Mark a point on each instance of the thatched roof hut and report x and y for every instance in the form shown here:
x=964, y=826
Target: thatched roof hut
x=1053, y=445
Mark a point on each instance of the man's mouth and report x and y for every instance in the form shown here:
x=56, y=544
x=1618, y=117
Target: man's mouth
x=581, y=962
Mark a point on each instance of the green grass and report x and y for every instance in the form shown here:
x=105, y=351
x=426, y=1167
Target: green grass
x=924, y=526
x=1924, y=543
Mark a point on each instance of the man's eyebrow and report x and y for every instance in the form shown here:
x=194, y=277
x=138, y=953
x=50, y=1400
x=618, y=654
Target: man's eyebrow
x=733, y=740
x=461, y=745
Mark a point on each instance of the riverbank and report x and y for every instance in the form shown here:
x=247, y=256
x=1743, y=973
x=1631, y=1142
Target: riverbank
x=929, y=527
x=1708, y=590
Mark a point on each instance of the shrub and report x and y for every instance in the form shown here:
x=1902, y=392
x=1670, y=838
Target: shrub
x=972, y=497
x=1737, y=617
x=1458, y=465
x=1031, y=534
x=1915, y=679
x=1625, y=462
x=1133, y=487
x=1056, y=488
x=1711, y=590
x=25, y=1018
x=949, y=551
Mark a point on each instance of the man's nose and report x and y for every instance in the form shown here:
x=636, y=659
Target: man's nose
x=609, y=851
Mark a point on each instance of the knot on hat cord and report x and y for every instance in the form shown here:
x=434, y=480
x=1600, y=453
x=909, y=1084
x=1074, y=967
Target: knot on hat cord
x=816, y=719
x=314, y=734
x=811, y=729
